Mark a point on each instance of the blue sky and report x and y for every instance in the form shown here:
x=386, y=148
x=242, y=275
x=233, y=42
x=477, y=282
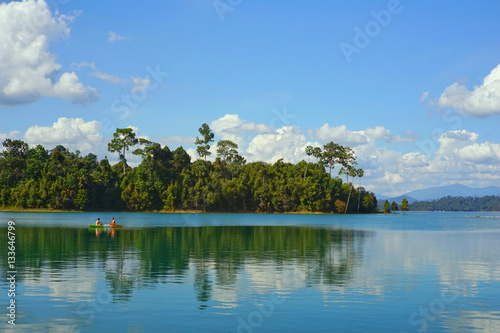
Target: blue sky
x=412, y=86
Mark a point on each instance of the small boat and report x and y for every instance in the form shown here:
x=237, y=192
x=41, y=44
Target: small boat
x=105, y=226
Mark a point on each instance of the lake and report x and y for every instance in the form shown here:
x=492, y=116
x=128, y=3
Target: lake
x=415, y=272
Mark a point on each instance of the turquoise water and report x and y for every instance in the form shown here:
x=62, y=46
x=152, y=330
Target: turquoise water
x=418, y=272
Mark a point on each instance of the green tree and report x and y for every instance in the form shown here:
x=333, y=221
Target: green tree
x=181, y=160
x=340, y=206
x=394, y=206
x=331, y=155
x=228, y=154
x=404, y=205
x=309, y=151
x=147, y=152
x=81, y=199
x=13, y=159
x=347, y=157
x=387, y=207
x=33, y=178
x=227, y=150
x=317, y=153
x=203, y=144
x=123, y=138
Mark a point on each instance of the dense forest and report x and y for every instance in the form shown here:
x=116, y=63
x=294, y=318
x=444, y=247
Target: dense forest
x=456, y=204
x=34, y=177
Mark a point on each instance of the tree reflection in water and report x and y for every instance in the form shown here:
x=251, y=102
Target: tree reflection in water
x=214, y=256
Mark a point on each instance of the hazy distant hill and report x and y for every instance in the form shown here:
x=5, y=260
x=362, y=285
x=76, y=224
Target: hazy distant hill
x=488, y=203
x=382, y=198
x=434, y=193
x=456, y=190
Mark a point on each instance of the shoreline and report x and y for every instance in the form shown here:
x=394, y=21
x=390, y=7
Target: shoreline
x=193, y=211
x=189, y=211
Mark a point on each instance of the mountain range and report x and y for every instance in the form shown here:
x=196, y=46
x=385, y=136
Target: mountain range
x=434, y=193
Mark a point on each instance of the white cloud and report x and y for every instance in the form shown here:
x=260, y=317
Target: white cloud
x=227, y=122
x=11, y=135
x=392, y=178
x=459, y=158
x=113, y=36
x=482, y=101
x=484, y=153
x=28, y=70
x=108, y=78
x=451, y=141
x=69, y=87
x=287, y=143
x=415, y=160
x=424, y=96
x=232, y=123
x=341, y=135
x=382, y=133
x=232, y=127
x=83, y=64
x=73, y=133
x=192, y=152
x=140, y=84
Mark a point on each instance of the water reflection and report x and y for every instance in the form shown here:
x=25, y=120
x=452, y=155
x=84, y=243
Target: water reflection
x=281, y=257
x=217, y=274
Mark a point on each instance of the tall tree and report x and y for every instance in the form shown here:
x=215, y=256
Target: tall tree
x=228, y=154
x=15, y=148
x=37, y=160
x=331, y=155
x=347, y=157
x=359, y=173
x=147, y=152
x=203, y=144
x=309, y=152
x=351, y=172
x=14, y=157
x=404, y=205
x=227, y=150
x=317, y=153
x=123, y=138
x=387, y=207
x=181, y=160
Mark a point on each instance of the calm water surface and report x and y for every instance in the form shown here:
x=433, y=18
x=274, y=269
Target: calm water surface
x=419, y=272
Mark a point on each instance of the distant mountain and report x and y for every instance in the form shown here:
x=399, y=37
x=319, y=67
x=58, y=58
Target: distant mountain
x=455, y=190
x=434, y=193
x=382, y=198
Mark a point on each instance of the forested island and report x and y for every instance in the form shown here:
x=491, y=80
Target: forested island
x=459, y=204
x=165, y=180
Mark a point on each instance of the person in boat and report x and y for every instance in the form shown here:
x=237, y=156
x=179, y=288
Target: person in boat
x=113, y=222
x=98, y=222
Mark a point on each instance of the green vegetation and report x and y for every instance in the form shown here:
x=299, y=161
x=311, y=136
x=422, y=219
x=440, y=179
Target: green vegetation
x=35, y=178
x=404, y=205
x=387, y=207
x=463, y=204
